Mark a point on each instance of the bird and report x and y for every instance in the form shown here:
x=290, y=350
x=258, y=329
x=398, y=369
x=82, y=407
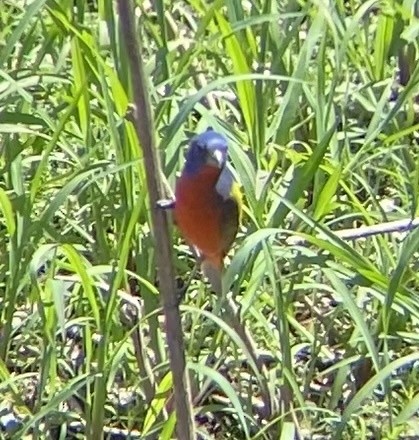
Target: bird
x=208, y=203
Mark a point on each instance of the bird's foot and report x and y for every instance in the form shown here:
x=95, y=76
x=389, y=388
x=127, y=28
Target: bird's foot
x=166, y=203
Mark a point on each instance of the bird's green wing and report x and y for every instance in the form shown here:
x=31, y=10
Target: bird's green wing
x=231, y=200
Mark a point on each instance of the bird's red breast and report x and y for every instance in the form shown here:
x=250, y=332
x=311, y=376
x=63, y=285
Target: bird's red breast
x=198, y=213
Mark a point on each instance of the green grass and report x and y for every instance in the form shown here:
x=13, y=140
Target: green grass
x=319, y=102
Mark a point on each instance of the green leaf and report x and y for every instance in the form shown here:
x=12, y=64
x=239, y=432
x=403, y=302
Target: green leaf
x=7, y=211
x=225, y=386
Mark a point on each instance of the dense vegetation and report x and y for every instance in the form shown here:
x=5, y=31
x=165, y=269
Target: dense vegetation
x=319, y=103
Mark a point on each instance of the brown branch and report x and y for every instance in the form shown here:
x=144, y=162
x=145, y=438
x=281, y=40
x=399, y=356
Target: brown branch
x=404, y=225
x=143, y=123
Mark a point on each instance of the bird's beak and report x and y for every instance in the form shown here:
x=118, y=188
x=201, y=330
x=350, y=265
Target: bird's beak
x=216, y=158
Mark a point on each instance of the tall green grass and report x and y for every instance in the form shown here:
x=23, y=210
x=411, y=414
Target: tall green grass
x=318, y=101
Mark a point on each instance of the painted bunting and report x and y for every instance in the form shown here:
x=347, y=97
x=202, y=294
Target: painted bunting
x=208, y=203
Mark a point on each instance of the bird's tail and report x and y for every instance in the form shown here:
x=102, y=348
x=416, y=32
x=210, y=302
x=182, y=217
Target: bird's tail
x=213, y=270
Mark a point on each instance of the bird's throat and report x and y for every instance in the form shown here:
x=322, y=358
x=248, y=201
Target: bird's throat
x=204, y=180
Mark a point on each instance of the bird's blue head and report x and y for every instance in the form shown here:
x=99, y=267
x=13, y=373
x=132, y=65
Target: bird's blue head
x=207, y=148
